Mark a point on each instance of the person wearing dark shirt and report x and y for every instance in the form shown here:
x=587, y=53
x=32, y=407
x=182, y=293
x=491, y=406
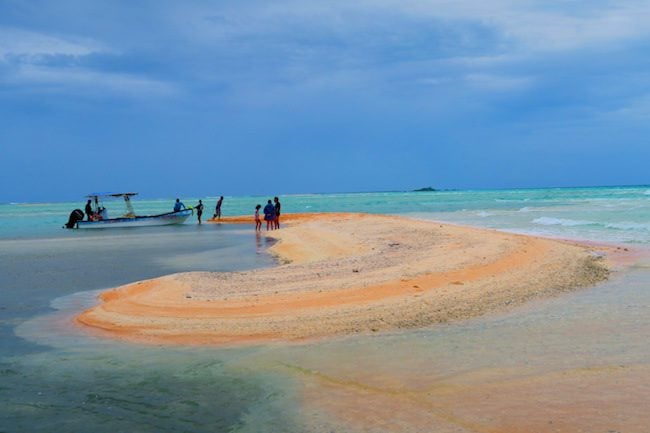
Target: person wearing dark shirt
x=89, y=210
x=276, y=222
x=199, y=210
x=217, y=210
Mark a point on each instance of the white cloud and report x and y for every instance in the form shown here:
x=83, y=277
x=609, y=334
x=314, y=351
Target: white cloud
x=32, y=46
x=89, y=81
x=560, y=32
x=526, y=24
x=295, y=44
x=478, y=42
x=540, y=26
x=28, y=54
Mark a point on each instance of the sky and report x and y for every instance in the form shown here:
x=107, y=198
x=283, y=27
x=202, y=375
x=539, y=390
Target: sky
x=207, y=98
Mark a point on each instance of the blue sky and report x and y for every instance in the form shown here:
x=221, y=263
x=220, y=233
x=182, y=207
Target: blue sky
x=200, y=98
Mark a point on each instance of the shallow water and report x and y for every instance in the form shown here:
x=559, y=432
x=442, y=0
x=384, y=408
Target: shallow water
x=35, y=271
x=620, y=214
x=432, y=376
x=579, y=362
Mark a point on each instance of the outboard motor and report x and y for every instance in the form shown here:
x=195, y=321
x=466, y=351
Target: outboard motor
x=75, y=216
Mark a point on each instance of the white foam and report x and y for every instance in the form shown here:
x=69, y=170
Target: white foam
x=550, y=221
x=484, y=214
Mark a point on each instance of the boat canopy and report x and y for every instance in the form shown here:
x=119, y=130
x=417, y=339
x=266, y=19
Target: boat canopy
x=97, y=198
x=111, y=194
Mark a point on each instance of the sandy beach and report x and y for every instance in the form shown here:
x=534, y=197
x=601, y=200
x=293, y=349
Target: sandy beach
x=343, y=274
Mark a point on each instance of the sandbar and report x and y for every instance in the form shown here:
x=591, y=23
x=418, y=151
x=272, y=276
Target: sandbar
x=342, y=274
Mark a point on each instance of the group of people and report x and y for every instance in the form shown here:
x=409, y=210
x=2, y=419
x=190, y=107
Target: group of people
x=271, y=212
x=179, y=206
x=271, y=215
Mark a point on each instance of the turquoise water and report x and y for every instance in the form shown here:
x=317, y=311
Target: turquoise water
x=619, y=214
x=55, y=377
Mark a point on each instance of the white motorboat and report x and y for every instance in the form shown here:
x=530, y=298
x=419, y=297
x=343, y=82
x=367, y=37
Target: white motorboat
x=99, y=216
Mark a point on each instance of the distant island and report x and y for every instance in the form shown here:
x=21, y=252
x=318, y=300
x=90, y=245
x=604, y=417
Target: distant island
x=425, y=189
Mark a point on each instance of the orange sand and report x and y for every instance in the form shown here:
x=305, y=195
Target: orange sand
x=347, y=273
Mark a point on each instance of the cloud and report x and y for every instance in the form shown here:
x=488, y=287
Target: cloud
x=482, y=43
x=28, y=46
x=40, y=62
x=523, y=25
x=539, y=26
x=90, y=82
x=284, y=50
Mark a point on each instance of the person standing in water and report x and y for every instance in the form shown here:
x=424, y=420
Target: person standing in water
x=217, y=210
x=276, y=222
x=258, y=222
x=269, y=215
x=199, y=210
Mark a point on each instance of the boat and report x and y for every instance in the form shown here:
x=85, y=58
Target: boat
x=99, y=217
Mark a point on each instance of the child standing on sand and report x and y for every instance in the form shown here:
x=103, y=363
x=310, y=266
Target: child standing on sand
x=258, y=222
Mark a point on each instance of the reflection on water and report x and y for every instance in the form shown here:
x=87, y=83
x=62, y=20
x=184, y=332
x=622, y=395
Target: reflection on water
x=258, y=242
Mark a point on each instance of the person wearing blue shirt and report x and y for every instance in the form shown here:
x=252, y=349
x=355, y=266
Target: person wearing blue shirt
x=269, y=215
x=179, y=206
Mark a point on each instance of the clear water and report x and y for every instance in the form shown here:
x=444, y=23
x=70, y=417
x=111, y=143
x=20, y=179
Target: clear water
x=619, y=214
x=54, y=377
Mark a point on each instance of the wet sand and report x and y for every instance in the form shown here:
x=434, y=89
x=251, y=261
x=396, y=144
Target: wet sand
x=497, y=400
x=343, y=274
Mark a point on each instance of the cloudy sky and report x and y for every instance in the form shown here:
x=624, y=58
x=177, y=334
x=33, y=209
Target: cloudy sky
x=196, y=98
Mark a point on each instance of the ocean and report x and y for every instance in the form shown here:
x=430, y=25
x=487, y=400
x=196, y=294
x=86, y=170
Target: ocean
x=619, y=214
x=56, y=377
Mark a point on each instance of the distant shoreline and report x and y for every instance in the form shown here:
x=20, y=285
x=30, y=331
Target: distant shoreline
x=79, y=198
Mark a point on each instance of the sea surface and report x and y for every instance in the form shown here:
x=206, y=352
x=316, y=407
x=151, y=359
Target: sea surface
x=57, y=377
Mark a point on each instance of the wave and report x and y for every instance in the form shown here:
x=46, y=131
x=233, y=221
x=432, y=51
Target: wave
x=627, y=225
x=623, y=225
x=549, y=221
x=511, y=200
x=484, y=214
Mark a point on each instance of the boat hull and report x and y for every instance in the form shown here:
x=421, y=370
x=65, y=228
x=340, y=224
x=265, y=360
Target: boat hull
x=138, y=221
